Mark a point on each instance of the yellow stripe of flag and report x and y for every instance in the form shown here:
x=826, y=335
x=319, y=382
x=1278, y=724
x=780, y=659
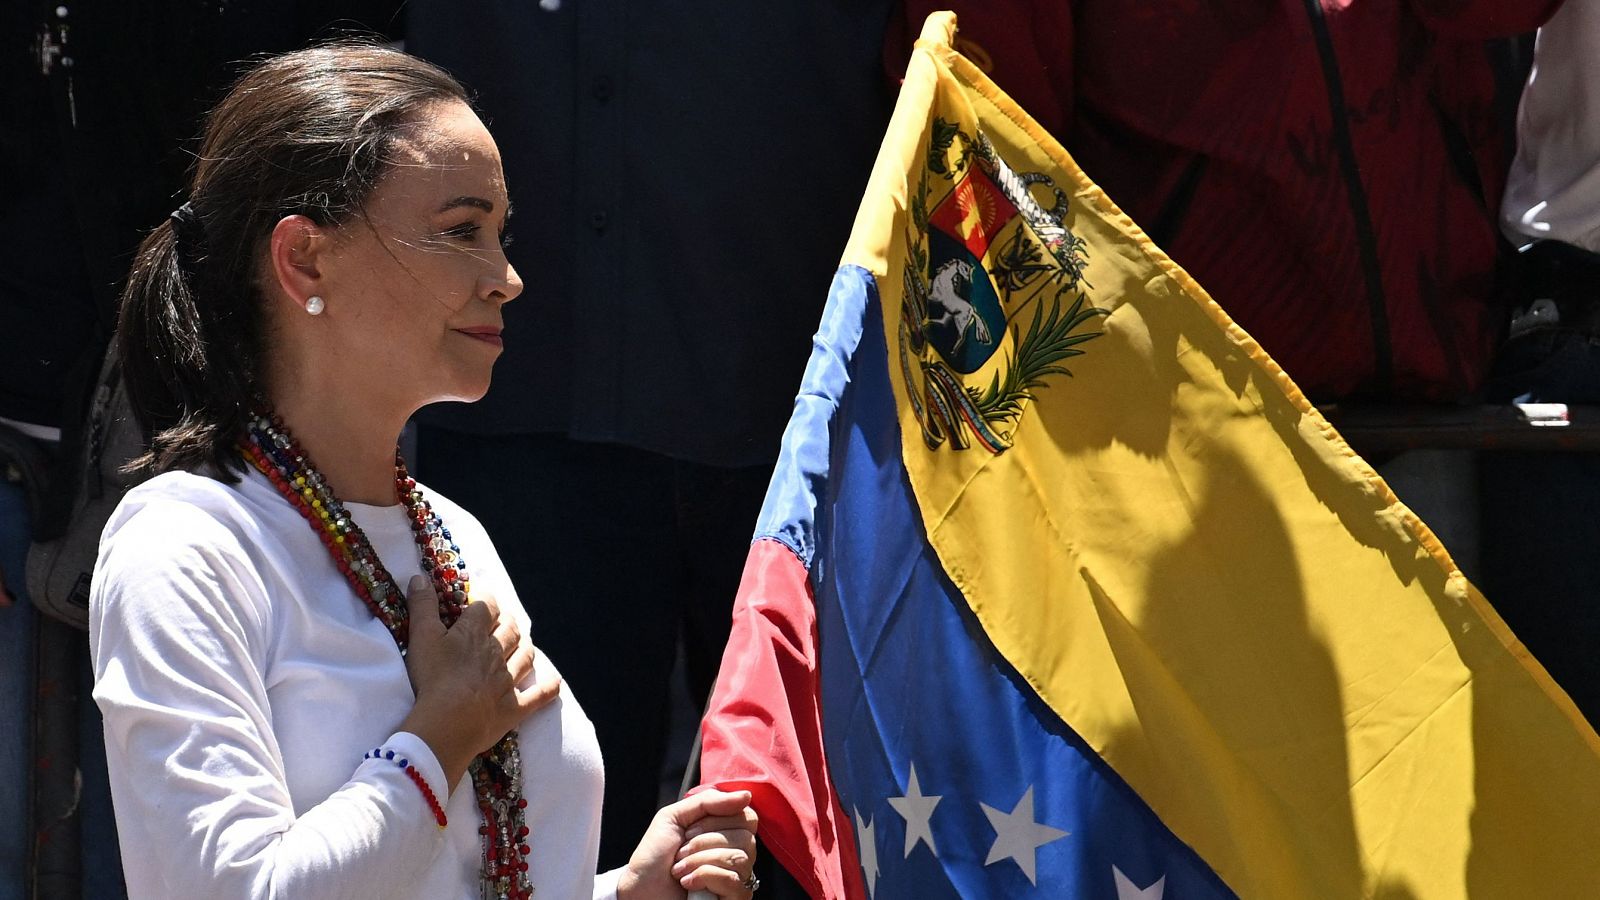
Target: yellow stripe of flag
x=1182, y=557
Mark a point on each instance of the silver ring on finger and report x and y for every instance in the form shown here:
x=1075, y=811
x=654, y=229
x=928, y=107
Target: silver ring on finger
x=751, y=884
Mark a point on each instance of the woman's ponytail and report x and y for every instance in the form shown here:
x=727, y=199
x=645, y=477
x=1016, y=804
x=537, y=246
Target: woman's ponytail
x=186, y=382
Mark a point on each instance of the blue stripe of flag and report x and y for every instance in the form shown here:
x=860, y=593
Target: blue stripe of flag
x=909, y=678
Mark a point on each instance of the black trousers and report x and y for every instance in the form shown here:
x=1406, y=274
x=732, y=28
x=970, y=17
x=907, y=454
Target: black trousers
x=1539, y=525
x=615, y=553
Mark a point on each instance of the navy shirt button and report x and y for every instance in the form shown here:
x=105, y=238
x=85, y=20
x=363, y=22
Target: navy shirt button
x=598, y=221
x=602, y=88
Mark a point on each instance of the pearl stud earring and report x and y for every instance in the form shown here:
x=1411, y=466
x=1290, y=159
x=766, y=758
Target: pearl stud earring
x=314, y=305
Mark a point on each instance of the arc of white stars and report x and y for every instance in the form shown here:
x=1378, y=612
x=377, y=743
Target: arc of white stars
x=1017, y=836
x=1127, y=890
x=867, y=842
x=917, y=810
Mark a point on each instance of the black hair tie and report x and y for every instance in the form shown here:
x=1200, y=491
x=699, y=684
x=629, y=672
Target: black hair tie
x=189, y=236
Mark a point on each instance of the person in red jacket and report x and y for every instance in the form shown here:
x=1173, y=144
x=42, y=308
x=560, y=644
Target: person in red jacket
x=1328, y=169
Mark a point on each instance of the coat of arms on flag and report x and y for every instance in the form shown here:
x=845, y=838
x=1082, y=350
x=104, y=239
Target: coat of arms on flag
x=993, y=285
x=1148, y=631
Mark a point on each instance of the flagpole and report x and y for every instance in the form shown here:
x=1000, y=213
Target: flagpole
x=691, y=774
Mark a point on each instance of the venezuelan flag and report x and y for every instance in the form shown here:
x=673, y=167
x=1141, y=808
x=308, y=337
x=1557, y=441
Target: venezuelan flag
x=1062, y=589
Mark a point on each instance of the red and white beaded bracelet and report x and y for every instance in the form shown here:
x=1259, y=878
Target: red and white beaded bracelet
x=416, y=778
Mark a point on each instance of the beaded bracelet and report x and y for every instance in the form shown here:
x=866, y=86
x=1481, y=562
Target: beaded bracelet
x=416, y=778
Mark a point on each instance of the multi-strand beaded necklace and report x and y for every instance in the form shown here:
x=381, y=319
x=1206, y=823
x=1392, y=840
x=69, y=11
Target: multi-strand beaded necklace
x=496, y=773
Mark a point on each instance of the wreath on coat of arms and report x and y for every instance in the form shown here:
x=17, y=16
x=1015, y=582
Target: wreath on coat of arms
x=985, y=260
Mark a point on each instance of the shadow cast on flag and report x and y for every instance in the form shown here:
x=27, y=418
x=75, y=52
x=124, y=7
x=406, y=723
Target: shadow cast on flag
x=1062, y=589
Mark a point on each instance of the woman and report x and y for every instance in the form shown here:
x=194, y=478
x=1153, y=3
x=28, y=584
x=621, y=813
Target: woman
x=281, y=720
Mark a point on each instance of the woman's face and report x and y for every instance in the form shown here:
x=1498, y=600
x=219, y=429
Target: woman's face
x=414, y=287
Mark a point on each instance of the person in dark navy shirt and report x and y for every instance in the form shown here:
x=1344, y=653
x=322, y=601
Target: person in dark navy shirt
x=683, y=179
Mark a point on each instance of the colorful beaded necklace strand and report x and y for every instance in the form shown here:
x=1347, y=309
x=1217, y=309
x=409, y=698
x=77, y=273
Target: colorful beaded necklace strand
x=496, y=773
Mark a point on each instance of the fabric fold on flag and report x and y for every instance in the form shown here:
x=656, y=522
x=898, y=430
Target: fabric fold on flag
x=1063, y=589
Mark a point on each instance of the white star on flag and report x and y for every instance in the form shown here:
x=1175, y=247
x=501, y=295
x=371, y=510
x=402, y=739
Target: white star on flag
x=1127, y=890
x=1017, y=835
x=917, y=810
x=868, y=845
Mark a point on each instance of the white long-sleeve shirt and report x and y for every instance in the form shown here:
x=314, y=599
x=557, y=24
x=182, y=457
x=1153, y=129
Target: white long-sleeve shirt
x=242, y=680
x=1553, y=188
